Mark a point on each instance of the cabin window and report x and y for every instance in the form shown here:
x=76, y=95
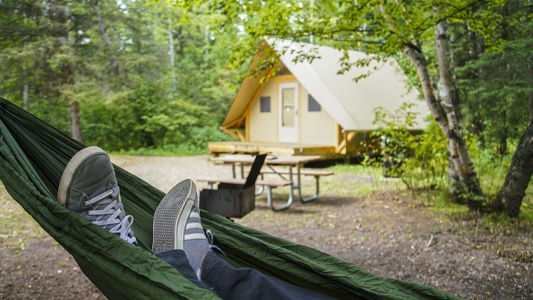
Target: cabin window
x=265, y=104
x=312, y=104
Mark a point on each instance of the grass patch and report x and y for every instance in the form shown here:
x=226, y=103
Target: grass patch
x=167, y=150
x=526, y=212
x=358, y=180
x=16, y=226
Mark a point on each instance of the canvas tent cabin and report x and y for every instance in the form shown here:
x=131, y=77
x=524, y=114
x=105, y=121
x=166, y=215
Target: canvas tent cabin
x=307, y=108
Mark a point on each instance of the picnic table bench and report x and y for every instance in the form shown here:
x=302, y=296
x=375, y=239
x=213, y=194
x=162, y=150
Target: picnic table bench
x=293, y=180
x=306, y=172
x=270, y=184
x=262, y=182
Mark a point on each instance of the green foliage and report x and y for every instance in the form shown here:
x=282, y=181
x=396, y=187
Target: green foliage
x=428, y=167
x=424, y=172
x=144, y=118
x=493, y=169
x=194, y=142
x=419, y=159
x=396, y=139
x=499, y=85
x=56, y=117
x=371, y=26
x=113, y=58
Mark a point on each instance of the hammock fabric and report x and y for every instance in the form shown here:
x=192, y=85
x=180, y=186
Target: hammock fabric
x=33, y=155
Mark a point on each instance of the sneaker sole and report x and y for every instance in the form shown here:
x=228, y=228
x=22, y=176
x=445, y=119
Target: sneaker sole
x=171, y=215
x=70, y=169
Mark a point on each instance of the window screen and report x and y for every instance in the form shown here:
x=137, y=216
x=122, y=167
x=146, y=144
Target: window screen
x=265, y=104
x=312, y=104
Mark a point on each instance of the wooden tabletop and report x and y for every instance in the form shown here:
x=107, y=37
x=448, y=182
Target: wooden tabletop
x=270, y=160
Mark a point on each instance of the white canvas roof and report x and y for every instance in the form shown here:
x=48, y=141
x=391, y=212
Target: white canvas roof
x=349, y=103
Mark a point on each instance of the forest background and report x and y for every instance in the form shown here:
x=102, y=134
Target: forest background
x=157, y=77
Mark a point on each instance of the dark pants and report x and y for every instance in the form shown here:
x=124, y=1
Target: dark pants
x=236, y=283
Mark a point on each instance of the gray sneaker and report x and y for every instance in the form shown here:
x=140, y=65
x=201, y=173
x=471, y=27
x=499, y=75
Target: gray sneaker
x=89, y=187
x=177, y=225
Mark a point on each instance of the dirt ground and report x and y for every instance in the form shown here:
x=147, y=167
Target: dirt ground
x=385, y=233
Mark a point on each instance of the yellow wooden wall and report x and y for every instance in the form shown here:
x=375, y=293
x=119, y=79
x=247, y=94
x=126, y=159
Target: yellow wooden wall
x=262, y=127
x=315, y=128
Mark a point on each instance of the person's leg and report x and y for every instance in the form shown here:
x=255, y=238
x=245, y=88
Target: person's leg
x=88, y=186
x=178, y=260
x=248, y=283
x=177, y=225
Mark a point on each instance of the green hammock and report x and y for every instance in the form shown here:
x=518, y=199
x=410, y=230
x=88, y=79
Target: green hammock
x=33, y=155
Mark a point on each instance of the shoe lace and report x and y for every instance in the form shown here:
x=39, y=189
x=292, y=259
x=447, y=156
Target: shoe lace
x=108, y=211
x=211, y=240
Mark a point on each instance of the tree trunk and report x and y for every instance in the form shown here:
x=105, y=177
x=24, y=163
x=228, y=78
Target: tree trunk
x=445, y=109
x=518, y=176
x=415, y=54
x=449, y=94
x=454, y=184
x=107, y=40
x=171, y=48
x=75, y=122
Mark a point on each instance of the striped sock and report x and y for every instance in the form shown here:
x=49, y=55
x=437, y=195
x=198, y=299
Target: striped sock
x=195, y=244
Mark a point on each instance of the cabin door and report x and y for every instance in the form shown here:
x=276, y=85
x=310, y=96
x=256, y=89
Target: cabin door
x=288, y=112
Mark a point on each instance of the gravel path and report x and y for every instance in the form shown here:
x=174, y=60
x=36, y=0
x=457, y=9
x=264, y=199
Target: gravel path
x=165, y=172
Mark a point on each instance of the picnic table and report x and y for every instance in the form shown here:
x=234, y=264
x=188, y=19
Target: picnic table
x=293, y=170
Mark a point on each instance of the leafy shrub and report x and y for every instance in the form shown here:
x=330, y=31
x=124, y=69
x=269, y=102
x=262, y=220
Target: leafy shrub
x=427, y=167
x=419, y=159
x=142, y=120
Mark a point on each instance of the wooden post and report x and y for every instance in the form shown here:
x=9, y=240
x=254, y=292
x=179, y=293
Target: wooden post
x=75, y=121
